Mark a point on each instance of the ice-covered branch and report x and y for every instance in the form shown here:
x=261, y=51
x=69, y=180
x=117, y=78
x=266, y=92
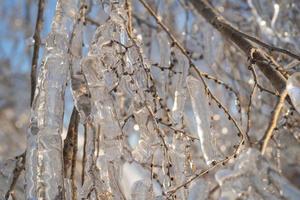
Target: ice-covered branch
x=44, y=174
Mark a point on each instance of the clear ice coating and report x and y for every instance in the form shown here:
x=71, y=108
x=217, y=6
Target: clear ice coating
x=79, y=87
x=181, y=66
x=136, y=182
x=97, y=67
x=253, y=177
x=165, y=52
x=201, y=114
x=44, y=174
x=293, y=88
x=115, y=67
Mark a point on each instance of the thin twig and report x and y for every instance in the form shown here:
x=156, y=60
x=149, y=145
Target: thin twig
x=258, y=84
x=20, y=166
x=70, y=149
x=264, y=61
x=84, y=154
x=199, y=74
x=249, y=111
x=36, y=47
x=128, y=8
x=267, y=46
x=273, y=121
x=92, y=21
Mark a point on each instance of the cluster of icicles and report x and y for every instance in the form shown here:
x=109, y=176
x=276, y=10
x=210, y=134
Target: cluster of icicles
x=135, y=145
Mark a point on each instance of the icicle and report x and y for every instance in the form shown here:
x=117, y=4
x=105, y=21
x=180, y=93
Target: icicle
x=97, y=68
x=103, y=112
x=178, y=158
x=136, y=182
x=142, y=153
x=165, y=52
x=201, y=114
x=44, y=174
x=79, y=86
x=181, y=66
x=89, y=169
x=293, y=88
x=115, y=67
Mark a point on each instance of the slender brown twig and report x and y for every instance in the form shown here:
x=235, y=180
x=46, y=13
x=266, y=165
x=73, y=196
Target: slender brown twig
x=249, y=111
x=36, y=47
x=267, y=46
x=20, y=166
x=70, y=146
x=273, y=122
x=84, y=154
x=128, y=8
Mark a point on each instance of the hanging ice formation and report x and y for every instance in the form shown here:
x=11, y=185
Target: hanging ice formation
x=201, y=114
x=114, y=69
x=44, y=174
x=116, y=95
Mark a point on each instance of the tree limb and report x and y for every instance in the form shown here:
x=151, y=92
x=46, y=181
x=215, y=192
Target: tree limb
x=261, y=58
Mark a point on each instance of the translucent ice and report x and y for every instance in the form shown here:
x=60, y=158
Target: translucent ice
x=201, y=114
x=254, y=178
x=293, y=88
x=181, y=66
x=44, y=174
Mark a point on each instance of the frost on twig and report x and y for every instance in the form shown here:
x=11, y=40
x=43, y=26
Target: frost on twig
x=44, y=174
x=201, y=114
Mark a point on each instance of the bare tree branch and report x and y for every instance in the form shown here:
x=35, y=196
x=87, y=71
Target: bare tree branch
x=37, y=42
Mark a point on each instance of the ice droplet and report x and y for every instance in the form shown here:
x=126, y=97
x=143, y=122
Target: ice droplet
x=29, y=41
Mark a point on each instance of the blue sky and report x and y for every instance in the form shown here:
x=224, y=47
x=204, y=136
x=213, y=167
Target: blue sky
x=15, y=40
